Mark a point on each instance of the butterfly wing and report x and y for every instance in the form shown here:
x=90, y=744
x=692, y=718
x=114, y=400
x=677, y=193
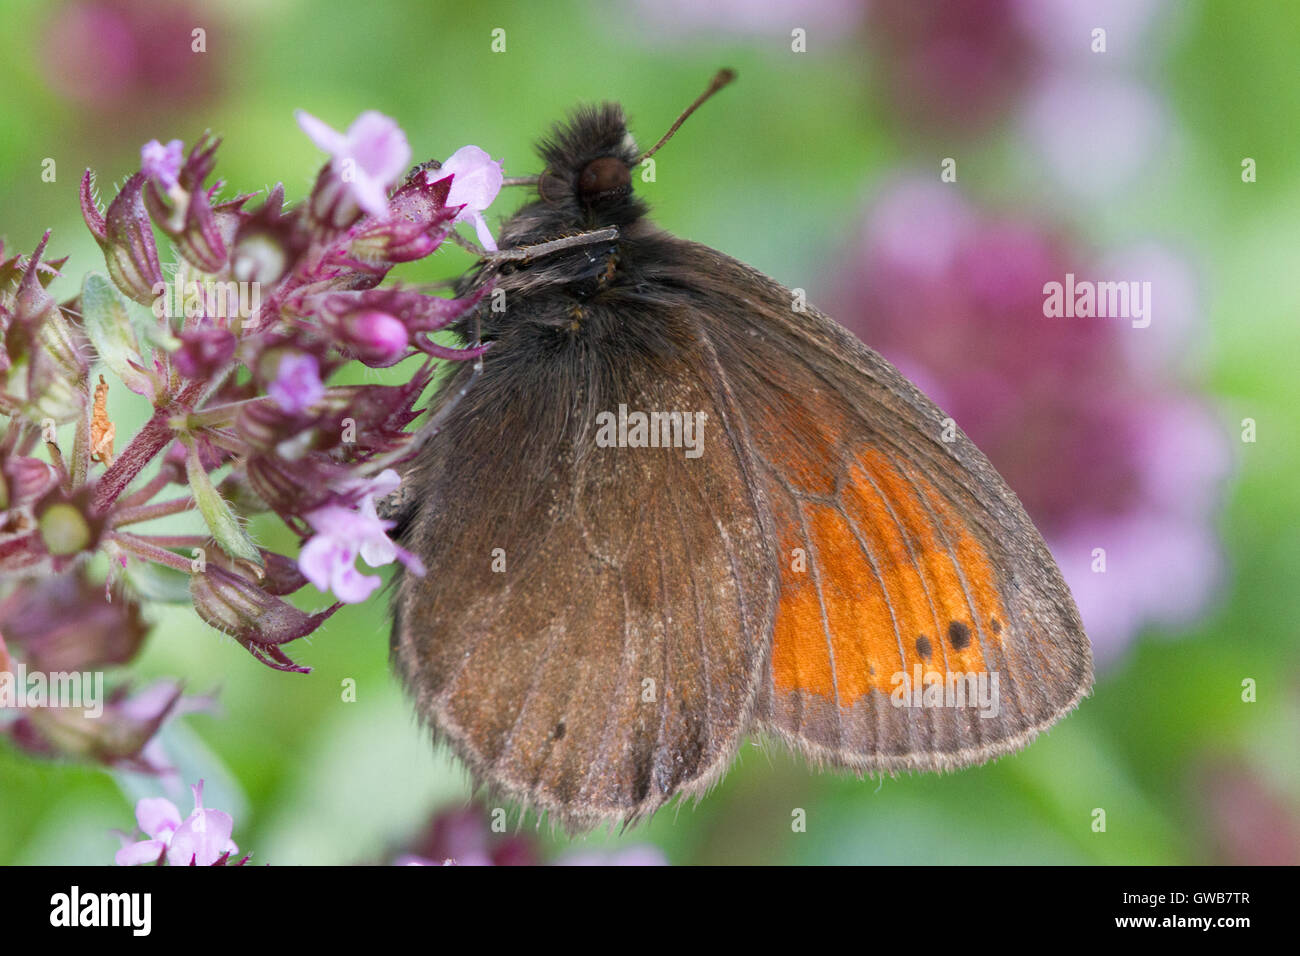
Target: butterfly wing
x=592, y=630
x=901, y=553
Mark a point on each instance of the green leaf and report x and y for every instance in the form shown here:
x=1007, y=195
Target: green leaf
x=108, y=322
x=221, y=520
x=157, y=583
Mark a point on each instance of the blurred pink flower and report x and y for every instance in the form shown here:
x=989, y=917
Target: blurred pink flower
x=117, y=57
x=204, y=837
x=1088, y=114
x=297, y=384
x=949, y=65
x=1248, y=822
x=1062, y=29
x=1086, y=418
x=827, y=21
x=1095, y=131
x=367, y=159
x=463, y=836
x=124, y=736
x=640, y=854
x=409, y=860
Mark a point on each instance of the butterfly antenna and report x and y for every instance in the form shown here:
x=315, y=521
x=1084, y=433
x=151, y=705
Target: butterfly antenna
x=720, y=79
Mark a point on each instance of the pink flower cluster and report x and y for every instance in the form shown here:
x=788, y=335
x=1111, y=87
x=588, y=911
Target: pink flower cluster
x=234, y=344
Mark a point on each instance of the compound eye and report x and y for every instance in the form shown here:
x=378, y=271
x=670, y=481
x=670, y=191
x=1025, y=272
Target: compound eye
x=603, y=177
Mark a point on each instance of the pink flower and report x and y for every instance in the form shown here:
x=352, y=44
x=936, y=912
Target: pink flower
x=297, y=384
x=202, y=839
x=158, y=819
x=478, y=179
x=328, y=560
x=162, y=163
x=367, y=159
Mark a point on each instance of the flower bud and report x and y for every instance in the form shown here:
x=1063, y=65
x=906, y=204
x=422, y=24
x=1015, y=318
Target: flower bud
x=162, y=164
x=125, y=236
x=118, y=737
x=202, y=233
x=204, y=349
x=374, y=338
x=258, y=620
x=58, y=352
x=28, y=480
x=65, y=623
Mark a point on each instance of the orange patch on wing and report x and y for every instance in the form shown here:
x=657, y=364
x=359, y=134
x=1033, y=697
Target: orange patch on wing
x=891, y=579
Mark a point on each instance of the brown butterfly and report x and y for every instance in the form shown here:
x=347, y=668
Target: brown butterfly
x=604, y=621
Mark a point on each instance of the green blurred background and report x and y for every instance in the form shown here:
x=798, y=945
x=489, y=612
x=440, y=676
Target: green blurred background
x=779, y=172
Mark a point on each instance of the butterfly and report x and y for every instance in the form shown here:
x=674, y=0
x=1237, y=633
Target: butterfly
x=603, y=622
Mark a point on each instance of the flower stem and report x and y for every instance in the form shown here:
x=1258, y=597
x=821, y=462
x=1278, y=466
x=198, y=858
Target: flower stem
x=81, y=450
x=177, y=540
x=159, y=509
x=156, y=434
x=224, y=414
x=146, y=492
x=146, y=550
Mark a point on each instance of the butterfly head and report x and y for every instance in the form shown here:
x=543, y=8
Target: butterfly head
x=589, y=162
x=587, y=181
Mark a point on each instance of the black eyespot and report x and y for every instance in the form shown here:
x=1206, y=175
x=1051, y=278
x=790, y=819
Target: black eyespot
x=603, y=177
